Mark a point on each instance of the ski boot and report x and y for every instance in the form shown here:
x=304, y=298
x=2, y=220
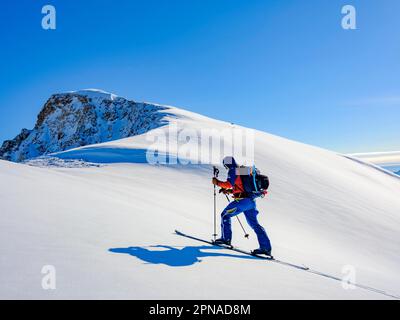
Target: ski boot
x=262, y=251
x=222, y=242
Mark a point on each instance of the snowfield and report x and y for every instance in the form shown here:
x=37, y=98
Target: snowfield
x=108, y=229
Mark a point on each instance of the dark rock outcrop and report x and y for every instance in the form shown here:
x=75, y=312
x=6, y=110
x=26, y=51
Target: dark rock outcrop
x=75, y=119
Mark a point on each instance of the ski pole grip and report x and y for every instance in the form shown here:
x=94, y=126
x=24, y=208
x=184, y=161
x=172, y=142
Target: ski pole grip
x=216, y=172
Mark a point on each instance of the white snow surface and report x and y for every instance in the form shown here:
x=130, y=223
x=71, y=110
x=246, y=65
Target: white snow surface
x=109, y=229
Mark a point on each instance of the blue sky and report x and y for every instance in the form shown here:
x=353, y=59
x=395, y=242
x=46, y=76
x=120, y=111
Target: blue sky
x=282, y=66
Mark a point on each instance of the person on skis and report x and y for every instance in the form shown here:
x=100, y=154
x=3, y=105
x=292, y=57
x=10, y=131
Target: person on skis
x=243, y=202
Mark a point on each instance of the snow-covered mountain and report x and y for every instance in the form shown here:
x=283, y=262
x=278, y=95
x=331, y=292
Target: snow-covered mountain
x=75, y=119
x=106, y=225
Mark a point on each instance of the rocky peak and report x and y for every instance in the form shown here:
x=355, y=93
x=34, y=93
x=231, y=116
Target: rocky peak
x=74, y=119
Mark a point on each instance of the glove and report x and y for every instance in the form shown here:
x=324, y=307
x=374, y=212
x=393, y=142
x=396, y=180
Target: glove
x=215, y=181
x=225, y=191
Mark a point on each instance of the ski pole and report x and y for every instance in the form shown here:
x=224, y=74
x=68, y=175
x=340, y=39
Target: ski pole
x=216, y=172
x=246, y=235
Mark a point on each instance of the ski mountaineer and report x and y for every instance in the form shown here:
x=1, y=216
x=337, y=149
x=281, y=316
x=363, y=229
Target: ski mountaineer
x=243, y=202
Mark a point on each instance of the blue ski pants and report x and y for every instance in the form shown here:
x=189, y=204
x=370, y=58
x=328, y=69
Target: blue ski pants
x=248, y=207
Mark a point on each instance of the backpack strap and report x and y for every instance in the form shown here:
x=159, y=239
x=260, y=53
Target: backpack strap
x=254, y=173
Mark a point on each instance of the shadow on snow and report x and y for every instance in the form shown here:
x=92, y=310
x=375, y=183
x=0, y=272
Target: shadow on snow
x=175, y=257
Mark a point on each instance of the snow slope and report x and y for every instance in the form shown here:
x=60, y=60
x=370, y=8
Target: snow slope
x=108, y=228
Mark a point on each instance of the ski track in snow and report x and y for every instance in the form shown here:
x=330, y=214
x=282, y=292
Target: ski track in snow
x=303, y=268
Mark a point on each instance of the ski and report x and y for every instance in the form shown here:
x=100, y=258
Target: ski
x=269, y=258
